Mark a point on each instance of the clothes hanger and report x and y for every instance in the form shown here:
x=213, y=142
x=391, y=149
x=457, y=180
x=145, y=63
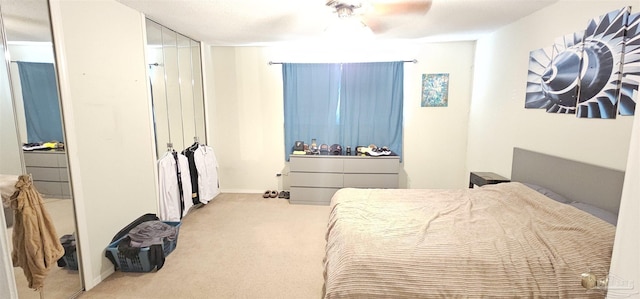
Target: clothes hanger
x=195, y=145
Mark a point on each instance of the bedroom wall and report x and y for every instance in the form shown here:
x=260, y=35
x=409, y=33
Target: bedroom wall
x=625, y=262
x=498, y=120
x=245, y=110
x=10, y=160
x=107, y=115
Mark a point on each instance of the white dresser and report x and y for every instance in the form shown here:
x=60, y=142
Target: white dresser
x=49, y=172
x=315, y=178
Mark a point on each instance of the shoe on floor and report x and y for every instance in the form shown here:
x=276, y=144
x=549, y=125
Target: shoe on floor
x=266, y=194
x=273, y=194
x=286, y=194
x=282, y=194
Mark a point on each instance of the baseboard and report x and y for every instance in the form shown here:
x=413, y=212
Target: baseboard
x=100, y=278
x=242, y=191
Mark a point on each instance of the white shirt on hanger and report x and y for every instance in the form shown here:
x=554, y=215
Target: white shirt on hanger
x=207, y=166
x=169, y=191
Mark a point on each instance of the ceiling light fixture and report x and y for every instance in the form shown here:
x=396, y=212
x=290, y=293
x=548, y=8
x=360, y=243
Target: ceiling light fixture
x=348, y=25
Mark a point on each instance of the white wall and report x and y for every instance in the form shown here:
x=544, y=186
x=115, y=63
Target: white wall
x=624, y=274
x=107, y=116
x=10, y=158
x=498, y=120
x=245, y=110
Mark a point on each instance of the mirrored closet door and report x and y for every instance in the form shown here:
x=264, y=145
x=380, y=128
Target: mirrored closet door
x=175, y=77
x=33, y=134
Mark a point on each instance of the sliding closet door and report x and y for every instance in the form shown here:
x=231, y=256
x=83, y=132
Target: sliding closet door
x=172, y=87
x=155, y=58
x=185, y=71
x=198, y=95
x=176, y=88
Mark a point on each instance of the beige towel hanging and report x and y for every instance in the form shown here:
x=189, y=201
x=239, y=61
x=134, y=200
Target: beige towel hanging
x=36, y=247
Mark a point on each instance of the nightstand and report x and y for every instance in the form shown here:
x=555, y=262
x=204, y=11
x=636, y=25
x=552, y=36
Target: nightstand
x=485, y=178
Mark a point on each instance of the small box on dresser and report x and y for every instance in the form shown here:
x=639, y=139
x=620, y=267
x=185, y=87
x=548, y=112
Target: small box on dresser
x=315, y=178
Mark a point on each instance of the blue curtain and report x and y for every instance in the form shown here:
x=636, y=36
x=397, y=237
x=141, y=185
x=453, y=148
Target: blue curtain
x=310, y=103
x=41, y=105
x=371, y=96
x=350, y=104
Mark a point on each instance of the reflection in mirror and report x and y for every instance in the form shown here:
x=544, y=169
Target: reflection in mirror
x=34, y=136
x=198, y=96
x=186, y=90
x=157, y=80
x=172, y=87
x=175, y=75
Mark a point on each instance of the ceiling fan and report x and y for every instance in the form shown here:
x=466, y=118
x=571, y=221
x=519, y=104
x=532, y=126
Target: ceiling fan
x=370, y=12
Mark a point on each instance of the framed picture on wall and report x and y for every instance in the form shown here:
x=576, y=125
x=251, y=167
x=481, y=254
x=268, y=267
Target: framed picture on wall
x=435, y=90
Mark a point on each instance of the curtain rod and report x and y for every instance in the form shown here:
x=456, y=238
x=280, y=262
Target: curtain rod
x=272, y=63
x=16, y=61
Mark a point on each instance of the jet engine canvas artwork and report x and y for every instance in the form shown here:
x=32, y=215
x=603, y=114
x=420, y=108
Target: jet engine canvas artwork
x=631, y=67
x=593, y=73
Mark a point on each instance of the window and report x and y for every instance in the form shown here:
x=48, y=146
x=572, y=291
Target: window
x=351, y=104
x=41, y=105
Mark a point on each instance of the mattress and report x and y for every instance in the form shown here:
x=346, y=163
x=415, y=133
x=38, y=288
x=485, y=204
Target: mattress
x=503, y=240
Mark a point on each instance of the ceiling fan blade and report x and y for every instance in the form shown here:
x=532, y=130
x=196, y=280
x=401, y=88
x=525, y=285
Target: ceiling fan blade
x=376, y=26
x=402, y=7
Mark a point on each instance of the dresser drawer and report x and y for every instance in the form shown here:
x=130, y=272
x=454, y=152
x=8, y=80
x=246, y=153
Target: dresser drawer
x=62, y=159
x=66, y=190
x=52, y=189
x=41, y=159
x=312, y=196
x=44, y=173
x=49, y=171
x=317, y=179
x=64, y=174
x=315, y=164
x=356, y=180
x=372, y=165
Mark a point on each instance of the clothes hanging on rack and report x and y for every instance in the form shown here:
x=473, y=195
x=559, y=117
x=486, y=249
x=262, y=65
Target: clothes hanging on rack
x=189, y=153
x=175, y=186
x=207, y=166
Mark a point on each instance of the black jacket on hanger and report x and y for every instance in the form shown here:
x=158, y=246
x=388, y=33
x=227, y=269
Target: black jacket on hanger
x=193, y=171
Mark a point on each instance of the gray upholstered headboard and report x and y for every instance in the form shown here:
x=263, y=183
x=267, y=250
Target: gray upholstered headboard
x=595, y=185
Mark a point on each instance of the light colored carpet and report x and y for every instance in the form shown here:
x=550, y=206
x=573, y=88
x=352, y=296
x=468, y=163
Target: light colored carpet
x=237, y=246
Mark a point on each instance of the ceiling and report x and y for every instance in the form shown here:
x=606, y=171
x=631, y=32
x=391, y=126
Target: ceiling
x=26, y=20
x=261, y=22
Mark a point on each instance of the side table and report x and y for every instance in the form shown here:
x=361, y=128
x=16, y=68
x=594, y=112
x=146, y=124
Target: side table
x=485, y=178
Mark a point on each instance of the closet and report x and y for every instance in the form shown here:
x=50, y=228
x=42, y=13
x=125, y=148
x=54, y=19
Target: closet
x=175, y=79
x=187, y=167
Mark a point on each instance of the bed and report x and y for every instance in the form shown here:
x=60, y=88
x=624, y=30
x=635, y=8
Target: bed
x=507, y=240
